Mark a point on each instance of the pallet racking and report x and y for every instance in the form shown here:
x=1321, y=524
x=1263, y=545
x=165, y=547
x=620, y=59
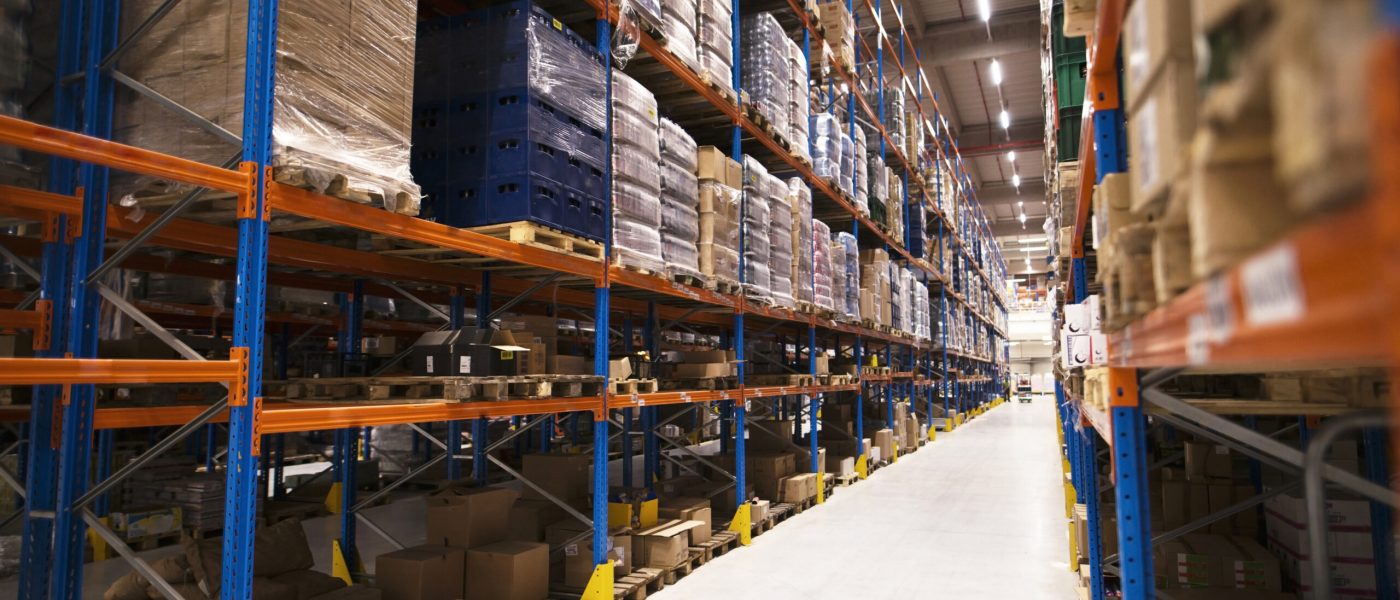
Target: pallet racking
x=1331, y=308
x=78, y=225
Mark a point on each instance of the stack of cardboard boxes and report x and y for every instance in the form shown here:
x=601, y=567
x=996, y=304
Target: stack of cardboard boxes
x=721, y=178
x=875, y=299
x=840, y=33
x=1082, y=341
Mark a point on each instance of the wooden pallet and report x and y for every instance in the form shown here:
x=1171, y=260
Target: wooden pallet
x=428, y=389
x=844, y=480
x=692, y=561
x=781, y=380
x=723, y=285
x=344, y=185
x=540, y=236
x=709, y=384
x=636, y=585
x=780, y=511
x=631, y=386
x=691, y=280
x=719, y=543
x=833, y=379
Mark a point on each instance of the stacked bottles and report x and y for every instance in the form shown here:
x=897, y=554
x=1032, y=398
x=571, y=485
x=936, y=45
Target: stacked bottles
x=780, y=250
x=714, y=41
x=636, y=179
x=823, y=291
x=757, y=276
x=766, y=68
x=680, y=195
x=800, y=200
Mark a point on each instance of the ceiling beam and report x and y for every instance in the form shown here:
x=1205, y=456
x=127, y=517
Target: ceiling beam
x=1003, y=193
x=963, y=40
x=983, y=135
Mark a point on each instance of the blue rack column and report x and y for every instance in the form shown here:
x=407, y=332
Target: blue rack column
x=240, y=501
x=651, y=446
x=1130, y=485
x=75, y=444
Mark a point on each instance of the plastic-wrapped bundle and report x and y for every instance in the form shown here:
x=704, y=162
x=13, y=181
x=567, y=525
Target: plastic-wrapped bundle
x=680, y=195
x=848, y=167
x=757, y=275
x=719, y=232
x=894, y=112
x=714, y=39
x=800, y=201
x=800, y=103
x=636, y=178
x=780, y=249
x=897, y=297
x=766, y=71
x=649, y=11
x=14, y=76
x=862, y=180
x=879, y=182
x=678, y=21
x=826, y=149
x=846, y=259
x=823, y=290
x=342, y=100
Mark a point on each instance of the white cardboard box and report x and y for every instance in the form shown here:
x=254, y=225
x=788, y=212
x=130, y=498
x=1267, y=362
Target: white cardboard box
x=1095, y=314
x=1077, y=320
x=1098, y=349
x=1075, y=350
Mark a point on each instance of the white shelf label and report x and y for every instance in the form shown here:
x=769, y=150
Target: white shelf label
x=1273, y=291
x=1220, y=312
x=1198, y=334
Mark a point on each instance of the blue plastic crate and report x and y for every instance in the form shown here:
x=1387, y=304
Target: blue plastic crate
x=521, y=152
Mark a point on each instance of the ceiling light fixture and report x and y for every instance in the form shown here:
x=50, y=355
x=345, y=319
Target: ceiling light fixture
x=1022, y=218
x=985, y=7
x=1011, y=156
x=1005, y=119
x=1020, y=204
x=996, y=72
x=1016, y=180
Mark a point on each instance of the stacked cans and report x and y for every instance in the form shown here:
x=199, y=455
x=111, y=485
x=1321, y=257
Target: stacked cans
x=823, y=291
x=766, y=71
x=757, y=276
x=800, y=201
x=680, y=196
x=780, y=250
x=846, y=262
x=636, y=178
x=714, y=39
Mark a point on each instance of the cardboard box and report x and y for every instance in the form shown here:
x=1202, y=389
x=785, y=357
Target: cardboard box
x=770, y=435
x=421, y=573
x=1077, y=320
x=802, y=460
x=466, y=517
x=664, y=546
x=1221, y=496
x=1342, y=514
x=1219, y=561
x=715, y=165
x=702, y=370
x=1206, y=461
x=1174, y=504
x=567, y=477
x=577, y=555
x=1113, y=202
x=139, y=523
x=1155, y=32
x=690, y=509
x=620, y=368
x=568, y=365
x=1098, y=349
x=796, y=489
x=508, y=571
x=840, y=466
x=529, y=518
x=1234, y=206
x=1159, y=134
x=884, y=440
x=379, y=345
x=1075, y=350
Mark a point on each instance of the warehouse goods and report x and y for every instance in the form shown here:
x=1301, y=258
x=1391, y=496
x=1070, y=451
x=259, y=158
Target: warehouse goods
x=825, y=290
x=515, y=140
x=780, y=238
x=637, y=182
x=756, y=219
x=679, y=27
x=840, y=32
x=680, y=199
x=799, y=199
x=766, y=68
x=714, y=36
x=799, y=102
x=342, y=114
x=826, y=148
x=719, y=211
x=860, y=164
x=847, y=276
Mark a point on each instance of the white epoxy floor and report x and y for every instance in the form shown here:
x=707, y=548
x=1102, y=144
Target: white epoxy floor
x=977, y=514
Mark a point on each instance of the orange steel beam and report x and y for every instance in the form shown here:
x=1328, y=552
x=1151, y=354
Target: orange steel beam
x=1323, y=274
x=57, y=142
x=327, y=209
x=58, y=371
x=1384, y=66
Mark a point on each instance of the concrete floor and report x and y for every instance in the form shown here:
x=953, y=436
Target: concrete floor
x=979, y=514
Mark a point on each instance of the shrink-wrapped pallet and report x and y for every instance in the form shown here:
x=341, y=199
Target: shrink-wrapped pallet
x=800, y=102
x=826, y=147
x=678, y=27
x=766, y=69
x=846, y=262
x=757, y=275
x=800, y=201
x=714, y=39
x=825, y=289
x=342, y=101
x=680, y=199
x=780, y=249
x=636, y=178
x=719, y=232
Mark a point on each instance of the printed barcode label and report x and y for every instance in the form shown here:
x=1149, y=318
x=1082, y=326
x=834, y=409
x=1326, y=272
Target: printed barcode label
x=1198, y=339
x=1273, y=293
x=1219, y=309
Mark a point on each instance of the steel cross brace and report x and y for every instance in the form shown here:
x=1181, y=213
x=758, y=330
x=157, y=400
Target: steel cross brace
x=530, y=291
x=428, y=306
x=534, y=486
x=1229, y=511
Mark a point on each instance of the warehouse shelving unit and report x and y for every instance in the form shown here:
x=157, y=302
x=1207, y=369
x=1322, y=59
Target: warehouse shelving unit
x=78, y=225
x=1323, y=310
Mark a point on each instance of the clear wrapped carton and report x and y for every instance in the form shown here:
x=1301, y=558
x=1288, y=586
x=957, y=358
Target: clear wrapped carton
x=719, y=232
x=846, y=262
x=800, y=201
x=636, y=178
x=780, y=250
x=757, y=276
x=824, y=288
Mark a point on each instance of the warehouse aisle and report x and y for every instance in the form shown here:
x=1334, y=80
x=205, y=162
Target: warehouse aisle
x=979, y=514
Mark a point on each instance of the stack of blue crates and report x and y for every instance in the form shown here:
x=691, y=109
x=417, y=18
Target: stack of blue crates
x=509, y=122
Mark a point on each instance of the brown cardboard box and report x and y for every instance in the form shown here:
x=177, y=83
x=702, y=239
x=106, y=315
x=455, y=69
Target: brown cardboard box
x=689, y=509
x=529, y=518
x=765, y=469
x=1155, y=32
x=1220, y=497
x=508, y=571
x=577, y=563
x=714, y=164
x=469, y=517
x=802, y=460
x=1159, y=134
x=569, y=365
x=420, y=573
x=1219, y=561
x=758, y=510
x=840, y=465
x=620, y=368
x=770, y=434
x=884, y=439
x=1197, y=500
x=793, y=489
x=1235, y=205
x=566, y=476
x=1246, y=522
x=1205, y=461
x=536, y=359
x=702, y=370
x=1175, y=503
x=664, y=546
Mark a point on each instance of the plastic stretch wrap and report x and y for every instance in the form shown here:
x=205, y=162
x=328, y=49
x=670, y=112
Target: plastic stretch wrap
x=799, y=102
x=714, y=37
x=879, y=182
x=800, y=201
x=848, y=168
x=757, y=221
x=896, y=296
x=686, y=11
x=680, y=38
x=680, y=197
x=767, y=70
x=826, y=148
x=343, y=101
x=780, y=250
x=822, y=291
x=636, y=178
x=719, y=231
x=846, y=262
x=862, y=176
